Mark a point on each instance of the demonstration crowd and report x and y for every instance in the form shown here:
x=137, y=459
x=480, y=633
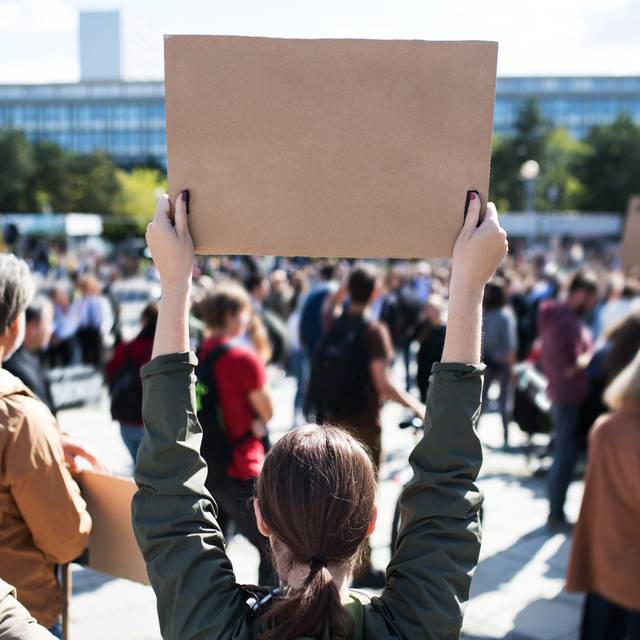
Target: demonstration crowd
x=337, y=327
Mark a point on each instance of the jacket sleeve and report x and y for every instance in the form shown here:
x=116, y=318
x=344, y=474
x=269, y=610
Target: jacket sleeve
x=15, y=621
x=174, y=516
x=429, y=576
x=44, y=491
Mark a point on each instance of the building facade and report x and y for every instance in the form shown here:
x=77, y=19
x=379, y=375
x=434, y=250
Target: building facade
x=127, y=119
x=575, y=104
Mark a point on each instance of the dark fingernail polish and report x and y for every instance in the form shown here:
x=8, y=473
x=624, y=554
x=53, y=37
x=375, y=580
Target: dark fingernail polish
x=466, y=203
x=472, y=195
x=185, y=198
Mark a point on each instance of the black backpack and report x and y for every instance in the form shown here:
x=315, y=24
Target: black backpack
x=340, y=382
x=126, y=392
x=216, y=448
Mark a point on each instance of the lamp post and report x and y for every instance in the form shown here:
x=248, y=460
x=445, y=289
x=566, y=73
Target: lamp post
x=529, y=171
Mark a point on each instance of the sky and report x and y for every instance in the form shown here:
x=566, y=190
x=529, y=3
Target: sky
x=39, y=42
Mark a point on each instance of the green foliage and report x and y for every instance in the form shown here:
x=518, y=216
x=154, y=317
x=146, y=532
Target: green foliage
x=93, y=185
x=44, y=177
x=528, y=142
x=611, y=167
x=17, y=166
x=139, y=191
x=596, y=174
x=558, y=187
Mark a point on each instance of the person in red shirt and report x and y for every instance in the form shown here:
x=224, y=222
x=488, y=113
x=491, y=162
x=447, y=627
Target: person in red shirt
x=132, y=356
x=246, y=407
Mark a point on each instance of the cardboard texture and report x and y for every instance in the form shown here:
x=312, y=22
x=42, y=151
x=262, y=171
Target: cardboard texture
x=112, y=547
x=630, y=252
x=344, y=148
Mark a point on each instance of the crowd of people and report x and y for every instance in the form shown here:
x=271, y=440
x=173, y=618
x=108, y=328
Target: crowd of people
x=344, y=331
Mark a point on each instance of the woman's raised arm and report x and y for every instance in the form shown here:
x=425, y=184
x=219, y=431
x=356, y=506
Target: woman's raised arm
x=171, y=247
x=174, y=516
x=429, y=576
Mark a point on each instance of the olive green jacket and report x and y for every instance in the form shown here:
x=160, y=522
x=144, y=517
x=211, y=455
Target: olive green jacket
x=174, y=516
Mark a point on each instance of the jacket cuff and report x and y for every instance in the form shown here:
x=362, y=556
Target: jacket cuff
x=457, y=370
x=170, y=363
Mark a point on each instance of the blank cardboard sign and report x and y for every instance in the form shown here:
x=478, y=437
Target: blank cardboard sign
x=630, y=253
x=344, y=148
x=112, y=547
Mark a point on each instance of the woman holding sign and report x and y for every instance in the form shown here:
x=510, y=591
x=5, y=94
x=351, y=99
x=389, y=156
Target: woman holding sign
x=316, y=494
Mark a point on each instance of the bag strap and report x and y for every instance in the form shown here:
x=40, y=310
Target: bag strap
x=212, y=357
x=215, y=354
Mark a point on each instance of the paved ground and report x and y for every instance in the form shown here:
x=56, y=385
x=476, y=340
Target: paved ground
x=517, y=591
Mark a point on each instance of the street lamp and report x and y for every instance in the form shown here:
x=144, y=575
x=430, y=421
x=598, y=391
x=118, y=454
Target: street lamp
x=529, y=171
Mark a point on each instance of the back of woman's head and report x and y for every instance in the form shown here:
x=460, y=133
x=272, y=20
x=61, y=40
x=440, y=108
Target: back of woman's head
x=227, y=298
x=316, y=494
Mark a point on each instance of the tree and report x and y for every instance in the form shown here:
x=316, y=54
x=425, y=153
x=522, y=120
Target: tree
x=50, y=185
x=94, y=187
x=531, y=131
x=559, y=188
x=17, y=167
x=139, y=191
x=610, y=170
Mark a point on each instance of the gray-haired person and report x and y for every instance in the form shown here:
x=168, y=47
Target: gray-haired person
x=44, y=519
x=26, y=363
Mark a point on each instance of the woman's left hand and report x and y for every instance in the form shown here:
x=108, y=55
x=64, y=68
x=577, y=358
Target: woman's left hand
x=170, y=242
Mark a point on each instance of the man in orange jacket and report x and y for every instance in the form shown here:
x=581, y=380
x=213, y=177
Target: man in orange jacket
x=44, y=518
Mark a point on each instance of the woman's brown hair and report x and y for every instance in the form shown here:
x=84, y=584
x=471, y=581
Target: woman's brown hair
x=316, y=494
x=226, y=298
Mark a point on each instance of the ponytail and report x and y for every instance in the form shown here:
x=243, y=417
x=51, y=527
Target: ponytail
x=313, y=611
x=316, y=494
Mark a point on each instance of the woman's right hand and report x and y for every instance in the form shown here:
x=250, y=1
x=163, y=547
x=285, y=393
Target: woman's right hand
x=170, y=242
x=479, y=249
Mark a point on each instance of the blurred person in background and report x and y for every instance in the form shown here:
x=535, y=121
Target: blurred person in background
x=123, y=378
x=622, y=342
x=44, y=519
x=311, y=314
x=407, y=311
x=605, y=557
x=96, y=320
x=257, y=339
x=351, y=377
x=516, y=292
x=566, y=346
x=259, y=289
x=26, y=362
x=65, y=349
x=280, y=293
x=297, y=364
x=430, y=336
x=234, y=409
x=499, y=348
x=623, y=297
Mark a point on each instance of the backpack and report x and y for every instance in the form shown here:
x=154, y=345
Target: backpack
x=340, y=381
x=216, y=448
x=126, y=392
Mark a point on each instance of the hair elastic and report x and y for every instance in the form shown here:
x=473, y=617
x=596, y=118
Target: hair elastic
x=318, y=561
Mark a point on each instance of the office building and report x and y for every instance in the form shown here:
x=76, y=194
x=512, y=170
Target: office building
x=127, y=119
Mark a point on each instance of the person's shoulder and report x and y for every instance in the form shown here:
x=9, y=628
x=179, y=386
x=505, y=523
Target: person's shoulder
x=377, y=329
x=30, y=428
x=243, y=355
x=614, y=426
